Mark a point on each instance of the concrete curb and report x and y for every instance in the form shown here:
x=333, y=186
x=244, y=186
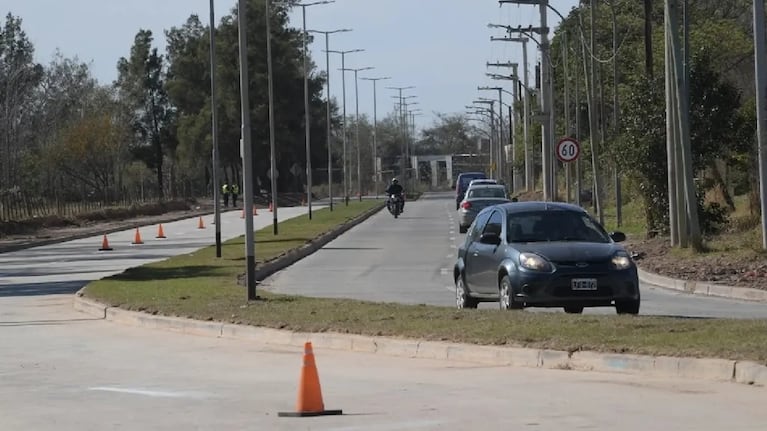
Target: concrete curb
x=703, y=288
x=717, y=370
x=292, y=256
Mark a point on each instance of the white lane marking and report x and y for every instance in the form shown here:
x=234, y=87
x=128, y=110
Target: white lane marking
x=444, y=271
x=393, y=426
x=449, y=256
x=450, y=288
x=150, y=393
x=452, y=238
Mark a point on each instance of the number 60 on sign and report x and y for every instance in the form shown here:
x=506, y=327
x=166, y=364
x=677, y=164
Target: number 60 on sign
x=568, y=150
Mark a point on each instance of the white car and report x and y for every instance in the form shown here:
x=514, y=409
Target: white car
x=482, y=181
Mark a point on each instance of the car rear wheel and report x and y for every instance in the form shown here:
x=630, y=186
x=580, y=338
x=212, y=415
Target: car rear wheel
x=462, y=298
x=506, y=295
x=627, y=307
x=573, y=309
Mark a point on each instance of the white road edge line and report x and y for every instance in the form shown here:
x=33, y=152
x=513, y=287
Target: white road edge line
x=149, y=393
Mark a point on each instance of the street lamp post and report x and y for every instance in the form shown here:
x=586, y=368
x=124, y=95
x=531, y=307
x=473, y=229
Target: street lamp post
x=247, y=154
x=273, y=153
x=376, y=175
x=327, y=106
x=401, y=100
x=357, y=125
x=343, y=84
x=307, y=119
x=492, y=132
x=214, y=130
x=404, y=108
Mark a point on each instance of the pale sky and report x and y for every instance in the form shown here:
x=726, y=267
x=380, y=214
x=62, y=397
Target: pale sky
x=439, y=46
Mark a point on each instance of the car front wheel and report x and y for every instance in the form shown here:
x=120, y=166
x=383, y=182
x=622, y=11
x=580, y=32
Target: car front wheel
x=506, y=295
x=462, y=298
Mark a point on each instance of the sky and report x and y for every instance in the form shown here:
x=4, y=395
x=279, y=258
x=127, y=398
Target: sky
x=440, y=47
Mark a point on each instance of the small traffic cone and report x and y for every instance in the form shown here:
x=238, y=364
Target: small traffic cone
x=137, y=238
x=105, y=244
x=255, y=210
x=242, y=215
x=160, y=232
x=200, y=224
x=309, y=401
x=271, y=209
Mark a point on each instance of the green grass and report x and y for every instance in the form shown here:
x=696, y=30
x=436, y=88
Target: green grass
x=200, y=286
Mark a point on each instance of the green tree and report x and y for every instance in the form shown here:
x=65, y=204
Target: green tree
x=141, y=82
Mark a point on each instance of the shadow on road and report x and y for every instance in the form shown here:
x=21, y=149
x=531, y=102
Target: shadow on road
x=144, y=273
x=39, y=289
x=46, y=322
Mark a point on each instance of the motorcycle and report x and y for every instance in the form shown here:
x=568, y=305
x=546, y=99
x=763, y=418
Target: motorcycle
x=394, y=204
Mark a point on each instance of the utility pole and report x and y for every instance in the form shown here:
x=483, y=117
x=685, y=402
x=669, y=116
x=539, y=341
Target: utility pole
x=616, y=120
x=307, y=119
x=357, y=125
x=501, y=132
x=546, y=99
x=493, y=134
x=760, y=54
x=247, y=153
x=404, y=115
x=329, y=138
x=343, y=123
x=376, y=174
x=566, y=85
x=594, y=127
x=214, y=130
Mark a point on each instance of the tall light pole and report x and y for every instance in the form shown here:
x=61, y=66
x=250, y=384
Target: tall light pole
x=307, y=119
x=343, y=85
x=247, y=154
x=214, y=129
x=273, y=153
x=376, y=176
x=760, y=53
x=357, y=124
x=329, y=138
x=401, y=99
x=492, y=130
x=501, y=138
x=404, y=107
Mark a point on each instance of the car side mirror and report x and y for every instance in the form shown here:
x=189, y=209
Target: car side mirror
x=618, y=236
x=490, y=238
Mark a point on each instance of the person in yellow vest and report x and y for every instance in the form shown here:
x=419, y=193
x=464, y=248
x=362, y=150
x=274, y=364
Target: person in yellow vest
x=225, y=192
x=235, y=192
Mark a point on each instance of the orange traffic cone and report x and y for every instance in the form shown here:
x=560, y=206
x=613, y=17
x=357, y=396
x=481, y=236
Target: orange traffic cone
x=137, y=238
x=160, y=232
x=271, y=209
x=105, y=244
x=200, y=224
x=242, y=214
x=255, y=210
x=309, y=401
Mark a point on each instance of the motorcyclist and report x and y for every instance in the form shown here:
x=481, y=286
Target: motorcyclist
x=397, y=190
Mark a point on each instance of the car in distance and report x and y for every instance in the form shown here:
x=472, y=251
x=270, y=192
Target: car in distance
x=544, y=254
x=462, y=183
x=482, y=181
x=477, y=198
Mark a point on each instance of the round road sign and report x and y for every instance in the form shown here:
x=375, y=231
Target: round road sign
x=568, y=150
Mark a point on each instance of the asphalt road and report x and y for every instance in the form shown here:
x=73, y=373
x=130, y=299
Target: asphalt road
x=410, y=260
x=65, y=371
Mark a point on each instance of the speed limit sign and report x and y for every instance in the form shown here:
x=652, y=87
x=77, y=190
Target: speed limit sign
x=568, y=150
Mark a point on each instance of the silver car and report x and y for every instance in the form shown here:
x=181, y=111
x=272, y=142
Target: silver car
x=477, y=198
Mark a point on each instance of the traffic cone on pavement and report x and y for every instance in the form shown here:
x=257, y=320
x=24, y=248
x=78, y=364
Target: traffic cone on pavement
x=160, y=232
x=255, y=210
x=137, y=238
x=200, y=224
x=271, y=209
x=309, y=401
x=105, y=244
x=242, y=215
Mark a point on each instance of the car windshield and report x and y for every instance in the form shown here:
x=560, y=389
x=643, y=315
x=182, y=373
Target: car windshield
x=487, y=192
x=556, y=225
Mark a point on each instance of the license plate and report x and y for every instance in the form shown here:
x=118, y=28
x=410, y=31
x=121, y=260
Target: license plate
x=584, y=284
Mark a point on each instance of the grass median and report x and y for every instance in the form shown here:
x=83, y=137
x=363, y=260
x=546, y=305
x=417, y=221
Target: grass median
x=200, y=286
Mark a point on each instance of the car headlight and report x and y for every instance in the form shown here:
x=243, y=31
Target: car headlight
x=534, y=262
x=621, y=260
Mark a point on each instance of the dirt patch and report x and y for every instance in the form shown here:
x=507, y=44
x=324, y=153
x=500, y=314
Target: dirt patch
x=743, y=268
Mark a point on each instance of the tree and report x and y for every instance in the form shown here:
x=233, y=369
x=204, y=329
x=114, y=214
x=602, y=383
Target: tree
x=141, y=82
x=450, y=134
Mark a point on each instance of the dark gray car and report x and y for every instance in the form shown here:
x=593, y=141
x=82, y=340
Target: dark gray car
x=479, y=197
x=544, y=254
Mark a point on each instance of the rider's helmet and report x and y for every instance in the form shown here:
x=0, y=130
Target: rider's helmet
x=394, y=181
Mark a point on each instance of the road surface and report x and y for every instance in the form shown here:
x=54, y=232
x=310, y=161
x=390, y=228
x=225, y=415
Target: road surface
x=65, y=371
x=410, y=260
